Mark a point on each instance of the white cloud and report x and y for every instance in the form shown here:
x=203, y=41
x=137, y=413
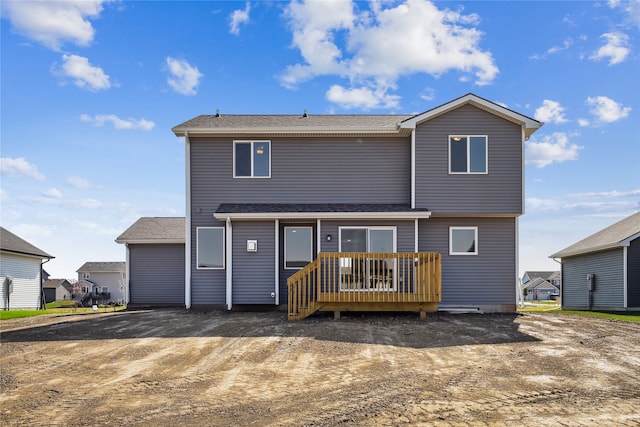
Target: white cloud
x=597, y=205
x=606, y=109
x=183, y=78
x=85, y=75
x=52, y=193
x=550, y=112
x=77, y=182
x=375, y=48
x=19, y=167
x=553, y=148
x=361, y=97
x=616, y=48
x=54, y=22
x=239, y=17
x=631, y=8
x=584, y=122
x=117, y=122
x=605, y=194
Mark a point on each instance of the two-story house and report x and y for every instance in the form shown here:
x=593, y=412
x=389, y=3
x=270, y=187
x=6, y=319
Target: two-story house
x=354, y=212
x=102, y=282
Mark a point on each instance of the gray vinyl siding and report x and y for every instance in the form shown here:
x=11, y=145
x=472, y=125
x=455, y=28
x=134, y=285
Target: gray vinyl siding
x=309, y=170
x=633, y=274
x=499, y=191
x=253, y=272
x=609, y=286
x=156, y=274
x=486, y=278
x=405, y=232
x=304, y=170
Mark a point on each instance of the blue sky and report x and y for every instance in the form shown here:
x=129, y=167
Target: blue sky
x=91, y=89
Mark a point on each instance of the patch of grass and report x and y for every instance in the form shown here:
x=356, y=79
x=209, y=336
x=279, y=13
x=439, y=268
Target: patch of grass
x=627, y=316
x=62, y=304
x=17, y=314
x=539, y=308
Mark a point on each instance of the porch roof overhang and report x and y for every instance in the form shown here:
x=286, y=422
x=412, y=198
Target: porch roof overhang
x=254, y=211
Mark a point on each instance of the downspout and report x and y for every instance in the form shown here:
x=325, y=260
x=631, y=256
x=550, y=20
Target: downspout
x=229, y=264
x=42, y=298
x=624, y=273
x=128, y=273
x=277, y=263
x=413, y=169
x=187, y=231
x=561, y=282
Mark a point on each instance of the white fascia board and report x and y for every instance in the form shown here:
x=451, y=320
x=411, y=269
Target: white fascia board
x=322, y=215
x=149, y=241
x=628, y=240
x=323, y=131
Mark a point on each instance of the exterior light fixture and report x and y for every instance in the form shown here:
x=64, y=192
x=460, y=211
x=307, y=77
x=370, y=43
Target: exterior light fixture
x=260, y=150
x=328, y=237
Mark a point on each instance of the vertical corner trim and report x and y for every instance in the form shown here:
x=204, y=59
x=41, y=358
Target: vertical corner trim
x=187, y=228
x=229, y=265
x=277, y=263
x=413, y=168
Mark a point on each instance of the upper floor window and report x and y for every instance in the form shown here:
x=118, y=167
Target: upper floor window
x=468, y=154
x=252, y=159
x=86, y=276
x=463, y=240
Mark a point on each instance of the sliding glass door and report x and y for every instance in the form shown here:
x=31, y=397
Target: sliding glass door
x=363, y=271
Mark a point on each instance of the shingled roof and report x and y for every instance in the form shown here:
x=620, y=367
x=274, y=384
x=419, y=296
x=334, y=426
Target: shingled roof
x=616, y=235
x=9, y=242
x=155, y=230
x=102, y=267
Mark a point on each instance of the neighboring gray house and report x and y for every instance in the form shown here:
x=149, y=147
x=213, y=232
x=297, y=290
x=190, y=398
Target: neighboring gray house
x=552, y=277
x=20, y=272
x=602, y=271
x=56, y=290
x=539, y=289
x=155, y=261
x=273, y=199
x=107, y=281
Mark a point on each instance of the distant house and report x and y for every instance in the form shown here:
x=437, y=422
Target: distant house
x=107, y=280
x=155, y=261
x=56, y=290
x=539, y=289
x=602, y=271
x=540, y=285
x=552, y=277
x=20, y=272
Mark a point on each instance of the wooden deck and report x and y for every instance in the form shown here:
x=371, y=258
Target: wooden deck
x=366, y=281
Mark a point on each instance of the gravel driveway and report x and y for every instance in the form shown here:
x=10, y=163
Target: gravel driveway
x=171, y=367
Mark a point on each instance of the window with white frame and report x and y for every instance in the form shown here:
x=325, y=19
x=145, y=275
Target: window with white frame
x=463, y=240
x=298, y=247
x=251, y=159
x=86, y=275
x=210, y=248
x=468, y=154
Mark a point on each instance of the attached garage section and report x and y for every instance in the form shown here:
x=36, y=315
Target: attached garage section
x=155, y=261
x=156, y=274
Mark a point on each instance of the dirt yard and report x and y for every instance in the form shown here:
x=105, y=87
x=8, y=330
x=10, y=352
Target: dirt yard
x=170, y=367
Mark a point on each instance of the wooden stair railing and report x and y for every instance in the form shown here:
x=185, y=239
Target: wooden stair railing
x=303, y=291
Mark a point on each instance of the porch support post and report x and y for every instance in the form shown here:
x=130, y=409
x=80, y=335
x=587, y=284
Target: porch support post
x=318, y=237
x=229, y=264
x=415, y=234
x=277, y=263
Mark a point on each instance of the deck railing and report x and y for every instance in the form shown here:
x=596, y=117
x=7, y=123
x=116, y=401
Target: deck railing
x=368, y=279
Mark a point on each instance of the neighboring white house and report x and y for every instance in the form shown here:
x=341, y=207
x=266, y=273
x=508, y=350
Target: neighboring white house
x=20, y=272
x=107, y=281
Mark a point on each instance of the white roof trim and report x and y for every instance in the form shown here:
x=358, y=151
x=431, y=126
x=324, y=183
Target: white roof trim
x=322, y=215
x=530, y=124
x=149, y=241
x=292, y=131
